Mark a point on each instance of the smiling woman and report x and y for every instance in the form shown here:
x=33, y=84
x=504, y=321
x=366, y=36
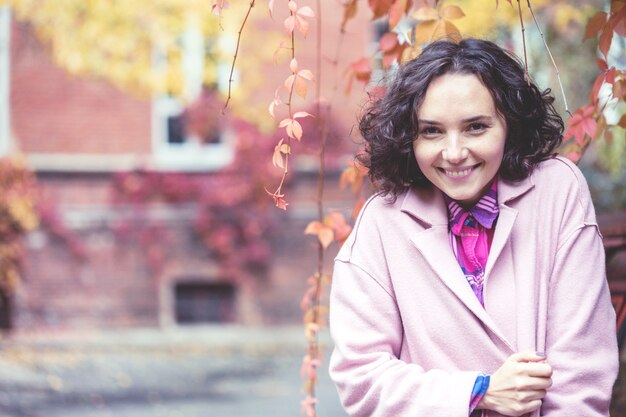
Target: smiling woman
x=473, y=283
x=459, y=147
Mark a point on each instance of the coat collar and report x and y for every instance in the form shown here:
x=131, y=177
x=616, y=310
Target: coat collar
x=428, y=205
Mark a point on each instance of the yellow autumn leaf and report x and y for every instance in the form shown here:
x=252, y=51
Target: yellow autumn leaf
x=425, y=13
x=452, y=12
x=424, y=32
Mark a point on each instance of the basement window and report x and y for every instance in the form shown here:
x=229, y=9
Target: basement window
x=5, y=311
x=202, y=302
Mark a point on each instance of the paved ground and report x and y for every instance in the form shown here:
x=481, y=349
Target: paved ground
x=193, y=372
x=188, y=372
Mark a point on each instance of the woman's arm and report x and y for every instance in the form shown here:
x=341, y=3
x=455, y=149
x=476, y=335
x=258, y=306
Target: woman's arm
x=365, y=366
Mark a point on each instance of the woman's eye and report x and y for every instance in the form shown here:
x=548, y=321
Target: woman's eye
x=429, y=131
x=477, y=127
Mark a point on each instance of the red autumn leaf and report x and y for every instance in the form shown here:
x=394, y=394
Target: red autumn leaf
x=374, y=94
x=359, y=70
x=618, y=16
x=362, y=69
x=622, y=121
x=606, y=37
x=573, y=156
x=617, y=6
x=388, y=42
x=397, y=11
x=593, y=95
x=580, y=124
x=602, y=64
x=606, y=77
x=594, y=25
x=620, y=26
x=279, y=201
x=337, y=222
x=380, y=7
x=610, y=75
x=389, y=57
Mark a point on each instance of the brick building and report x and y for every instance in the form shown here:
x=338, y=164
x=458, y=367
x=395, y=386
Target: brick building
x=76, y=134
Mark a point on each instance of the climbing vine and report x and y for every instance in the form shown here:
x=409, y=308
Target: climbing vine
x=18, y=215
x=406, y=26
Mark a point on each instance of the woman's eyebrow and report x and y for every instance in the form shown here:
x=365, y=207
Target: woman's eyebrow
x=480, y=117
x=427, y=122
x=477, y=118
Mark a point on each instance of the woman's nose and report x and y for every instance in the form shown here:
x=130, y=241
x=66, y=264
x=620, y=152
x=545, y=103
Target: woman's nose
x=454, y=150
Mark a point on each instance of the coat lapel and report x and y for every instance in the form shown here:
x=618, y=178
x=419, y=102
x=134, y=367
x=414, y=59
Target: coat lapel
x=428, y=206
x=501, y=235
x=507, y=192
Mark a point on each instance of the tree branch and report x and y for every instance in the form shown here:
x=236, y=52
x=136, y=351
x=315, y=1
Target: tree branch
x=232, y=68
x=521, y=20
x=558, y=75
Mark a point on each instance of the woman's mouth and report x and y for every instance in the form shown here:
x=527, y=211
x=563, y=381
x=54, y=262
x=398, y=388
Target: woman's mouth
x=459, y=172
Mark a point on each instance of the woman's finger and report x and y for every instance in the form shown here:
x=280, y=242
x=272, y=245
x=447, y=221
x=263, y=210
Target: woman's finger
x=534, y=383
x=539, y=369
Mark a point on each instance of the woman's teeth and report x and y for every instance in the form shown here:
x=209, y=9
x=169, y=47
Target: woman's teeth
x=459, y=173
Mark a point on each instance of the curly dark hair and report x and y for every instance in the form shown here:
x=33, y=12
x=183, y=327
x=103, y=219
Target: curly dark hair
x=389, y=124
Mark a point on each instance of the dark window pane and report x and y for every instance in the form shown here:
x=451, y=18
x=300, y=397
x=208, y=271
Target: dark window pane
x=199, y=302
x=175, y=129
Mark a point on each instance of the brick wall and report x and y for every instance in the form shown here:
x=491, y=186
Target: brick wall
x=114, y=283
x=53, y=111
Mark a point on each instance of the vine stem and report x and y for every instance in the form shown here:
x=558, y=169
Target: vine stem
x=521, y=20
x=558, y=74
x=313, y=349
x=232, y=67
x=288, y=104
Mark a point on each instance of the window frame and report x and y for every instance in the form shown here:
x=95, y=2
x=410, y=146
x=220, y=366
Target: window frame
x=5, y=85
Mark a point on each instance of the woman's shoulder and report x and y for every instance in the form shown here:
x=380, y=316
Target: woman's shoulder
x=378, y=210
x=559, y=175
x=561, y=181
x=558, y=168
x=374, y=223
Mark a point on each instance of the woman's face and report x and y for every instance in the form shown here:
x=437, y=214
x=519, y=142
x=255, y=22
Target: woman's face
x=461, y=137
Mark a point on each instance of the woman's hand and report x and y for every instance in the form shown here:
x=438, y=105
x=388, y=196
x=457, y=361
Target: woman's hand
x=519, y=385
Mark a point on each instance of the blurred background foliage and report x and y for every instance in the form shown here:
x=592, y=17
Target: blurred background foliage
x=138, y=46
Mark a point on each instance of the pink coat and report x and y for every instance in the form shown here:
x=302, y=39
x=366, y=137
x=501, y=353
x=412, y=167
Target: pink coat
x=411, y=337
